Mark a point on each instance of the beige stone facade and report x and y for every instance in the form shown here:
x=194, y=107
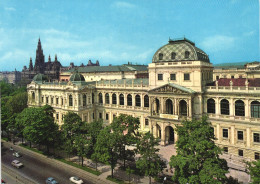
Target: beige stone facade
x=177, y=89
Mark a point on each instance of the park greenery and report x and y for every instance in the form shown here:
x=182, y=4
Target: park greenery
x=197, y=159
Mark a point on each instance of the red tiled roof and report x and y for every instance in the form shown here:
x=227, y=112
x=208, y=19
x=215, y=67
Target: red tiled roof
x=237, y=82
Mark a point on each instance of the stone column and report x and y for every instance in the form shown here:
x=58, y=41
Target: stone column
x=231, y=107
x=175, y=107
x=133, y=100
x=142, y=100
x=163, y=135
x=103, y=98
x=125, y=99
x=190, y=108
x=176, y=137
x=247, y=114
x=232, y=134
x=110, y=98
x=218, y=133
x=248, y=137
x=217, y=106
x=155, y=131
x=162, y=104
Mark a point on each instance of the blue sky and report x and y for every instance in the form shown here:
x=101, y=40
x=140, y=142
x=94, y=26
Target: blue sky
x=115, y=32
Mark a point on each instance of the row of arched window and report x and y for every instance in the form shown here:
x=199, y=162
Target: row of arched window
x=183, y=110
x=239, y=107
x=173, y=55
x=129, y=101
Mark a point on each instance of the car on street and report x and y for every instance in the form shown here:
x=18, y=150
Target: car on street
x=17, y=154
x=2, y=181
x=17, y=164
x=51, y=180
x=75, y=179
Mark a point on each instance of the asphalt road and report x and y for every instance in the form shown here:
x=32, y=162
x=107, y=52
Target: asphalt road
x=36, y=168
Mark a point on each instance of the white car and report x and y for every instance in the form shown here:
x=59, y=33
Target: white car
x=75, y=179
x=17, y=154
x=17, y=164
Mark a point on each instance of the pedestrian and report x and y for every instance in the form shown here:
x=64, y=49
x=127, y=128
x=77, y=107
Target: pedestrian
x=164, y=179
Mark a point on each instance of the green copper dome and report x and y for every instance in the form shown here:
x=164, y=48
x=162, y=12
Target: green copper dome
x=77, y=77
x=40, y=78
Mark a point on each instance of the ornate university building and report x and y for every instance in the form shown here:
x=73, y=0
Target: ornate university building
x=180, y=86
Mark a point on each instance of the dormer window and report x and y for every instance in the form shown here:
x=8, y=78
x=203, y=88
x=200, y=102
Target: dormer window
x=187, y=54
x=173, y=55
x=160, y=56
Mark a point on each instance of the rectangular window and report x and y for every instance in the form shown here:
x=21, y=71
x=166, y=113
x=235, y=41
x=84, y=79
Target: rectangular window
x=173, y=76
x=57, y=116
x=146, y=122
x=62, y=101
x=240, y=135
x=225, y=149
x=217, y=77
x=51, y=100
x=160, y=76
x=100, y=115
x=256, y=137
x=62, y=117
x=225, y=133
x=57, y=101
x=93, y=115
x=107, y=116
x=42, y=99
x=232, y=77
x=186, y=76
x=86, y=118
x=257, y=156
x=241, y=153
x=47, y=100
x=114, y=116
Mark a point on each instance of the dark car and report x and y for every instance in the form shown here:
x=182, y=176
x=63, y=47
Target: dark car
x=51, y=180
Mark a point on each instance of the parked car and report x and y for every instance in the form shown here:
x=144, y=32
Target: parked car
x=51, y=180
x=17, y=164
x=75, y=179
x=17, y=154
x=2, y=181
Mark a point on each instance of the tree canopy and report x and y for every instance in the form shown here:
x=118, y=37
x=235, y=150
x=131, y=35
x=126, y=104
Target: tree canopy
x=197, y=159
x=253, y=168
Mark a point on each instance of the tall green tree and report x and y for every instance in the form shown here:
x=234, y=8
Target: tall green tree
x=197, y=159
x=253, y=168
x=93, y=130
x=149, y=163
x=81, y=144
x=71, y=127
x=38, y=127
x=106, y=148
x=126, y=127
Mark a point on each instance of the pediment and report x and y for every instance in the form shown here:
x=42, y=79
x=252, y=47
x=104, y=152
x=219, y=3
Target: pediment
x=171, y=88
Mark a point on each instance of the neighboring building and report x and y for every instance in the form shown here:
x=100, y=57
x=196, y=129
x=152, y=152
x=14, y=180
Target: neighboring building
x=237, y=70
x=11, y=77
x=180, y=86
x=96, y=73
x=50, y=68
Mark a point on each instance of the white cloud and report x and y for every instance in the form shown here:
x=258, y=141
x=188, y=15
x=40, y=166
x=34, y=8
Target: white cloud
x=10, y=9
x=250, y=33
x=218, y=42
x=121, y=4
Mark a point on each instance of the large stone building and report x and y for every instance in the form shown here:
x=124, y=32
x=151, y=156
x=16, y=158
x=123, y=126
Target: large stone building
x=180, y=86
x=11, y=77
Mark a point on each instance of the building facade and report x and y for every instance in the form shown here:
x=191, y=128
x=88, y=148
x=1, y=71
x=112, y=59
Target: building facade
x=11, y=77
x=180, y=86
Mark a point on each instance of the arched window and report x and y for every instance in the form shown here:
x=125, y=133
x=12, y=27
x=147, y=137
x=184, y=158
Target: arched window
x=187, y=54
x=146, y=101
x=121, y=99
x=137, y=101
x=84, y=100
x=70, y=100
x=173, y=56
x=211, y=106
x=47, y=100
x=33, y=97
x=255, y=109
x=239, y=108
x=160, y=56
x=157, y=105
x=107, y=98
x=93, y=98
x=114, y=99
x=169, y=107
x=100, y=98
x=183, y=108
x=224, y=107
x=129, y=100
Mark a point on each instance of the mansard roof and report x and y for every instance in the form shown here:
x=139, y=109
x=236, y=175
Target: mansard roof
x=120, y=68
